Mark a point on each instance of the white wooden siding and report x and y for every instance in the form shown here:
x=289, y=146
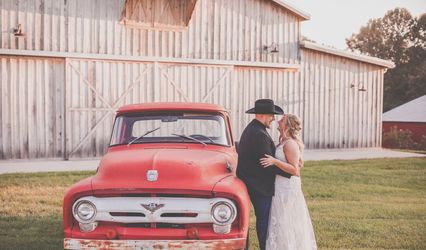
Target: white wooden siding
x=31, y=111
x=335, y=113
x=218, y=29
x=252, y=84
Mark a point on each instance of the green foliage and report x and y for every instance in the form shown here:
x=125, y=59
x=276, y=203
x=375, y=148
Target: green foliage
x=387, y=37
x=422, y=144
x=399, y=138
x=401, y=38
x=402, y=139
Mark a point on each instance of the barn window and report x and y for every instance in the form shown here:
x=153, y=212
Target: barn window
x=158, y=14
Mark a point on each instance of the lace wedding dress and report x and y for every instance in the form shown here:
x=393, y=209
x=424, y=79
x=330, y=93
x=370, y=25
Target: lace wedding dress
x=290, y=225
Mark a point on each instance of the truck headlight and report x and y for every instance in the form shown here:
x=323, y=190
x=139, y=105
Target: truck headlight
x=223, y=213
x=84, y=211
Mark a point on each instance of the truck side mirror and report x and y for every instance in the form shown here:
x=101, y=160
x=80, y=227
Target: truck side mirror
x=229, y=167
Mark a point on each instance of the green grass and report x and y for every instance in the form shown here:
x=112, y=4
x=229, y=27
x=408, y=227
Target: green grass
x=366, y=204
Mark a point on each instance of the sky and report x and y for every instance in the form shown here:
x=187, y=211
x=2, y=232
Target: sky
x=332, y=21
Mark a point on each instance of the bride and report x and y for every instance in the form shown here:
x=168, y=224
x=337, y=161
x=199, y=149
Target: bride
x=290, y=226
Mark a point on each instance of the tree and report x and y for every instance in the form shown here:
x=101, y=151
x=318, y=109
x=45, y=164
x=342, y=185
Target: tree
x=401, y=38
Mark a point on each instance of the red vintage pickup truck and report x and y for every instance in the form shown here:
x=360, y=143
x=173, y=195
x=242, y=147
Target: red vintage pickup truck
x=167, y=181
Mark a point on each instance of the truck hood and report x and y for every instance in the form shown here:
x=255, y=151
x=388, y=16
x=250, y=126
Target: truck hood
x=181, y=169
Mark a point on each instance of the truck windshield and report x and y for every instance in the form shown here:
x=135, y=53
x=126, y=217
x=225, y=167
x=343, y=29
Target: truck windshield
x=171, y=127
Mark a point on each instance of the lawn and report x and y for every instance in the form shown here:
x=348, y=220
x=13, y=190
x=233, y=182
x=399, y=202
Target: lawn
x=365, y=204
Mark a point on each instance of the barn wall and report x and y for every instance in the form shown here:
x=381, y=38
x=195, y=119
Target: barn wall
x=64, y=106
x=219, y=29
x=32, y=108
x=96, y=88
x=337, y=114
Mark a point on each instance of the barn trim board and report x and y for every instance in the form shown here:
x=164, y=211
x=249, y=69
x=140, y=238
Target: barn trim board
x=147, y=59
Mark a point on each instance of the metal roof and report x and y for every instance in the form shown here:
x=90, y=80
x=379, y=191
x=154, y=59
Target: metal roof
x=300, y=13
x=413, y=111
x=347, y=54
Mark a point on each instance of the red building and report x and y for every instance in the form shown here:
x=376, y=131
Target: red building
x=409, y=116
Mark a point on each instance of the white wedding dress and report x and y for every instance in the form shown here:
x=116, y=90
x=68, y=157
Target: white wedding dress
x=290, y=225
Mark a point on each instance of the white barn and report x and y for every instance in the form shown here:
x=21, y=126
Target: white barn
x=67, y=65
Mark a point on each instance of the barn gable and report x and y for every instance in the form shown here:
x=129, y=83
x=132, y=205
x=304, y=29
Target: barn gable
x=238, y=30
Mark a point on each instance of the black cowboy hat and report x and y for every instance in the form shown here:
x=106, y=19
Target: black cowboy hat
x=265, y=106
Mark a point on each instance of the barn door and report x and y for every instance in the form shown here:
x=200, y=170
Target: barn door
x=94, y=91
x=194, y=83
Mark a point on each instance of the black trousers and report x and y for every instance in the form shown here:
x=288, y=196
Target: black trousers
x=262, y=208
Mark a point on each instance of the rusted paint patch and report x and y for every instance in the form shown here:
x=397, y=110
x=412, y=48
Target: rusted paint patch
x=153, y=244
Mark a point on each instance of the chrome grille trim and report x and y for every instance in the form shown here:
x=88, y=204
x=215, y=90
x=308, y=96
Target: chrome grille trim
x=162, y=205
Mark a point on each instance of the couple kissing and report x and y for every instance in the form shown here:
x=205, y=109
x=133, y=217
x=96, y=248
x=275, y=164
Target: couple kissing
x=272, y=176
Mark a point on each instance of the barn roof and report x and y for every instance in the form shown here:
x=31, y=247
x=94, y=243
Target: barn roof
x=300, y=13
x=413, y=111
x=347, y=54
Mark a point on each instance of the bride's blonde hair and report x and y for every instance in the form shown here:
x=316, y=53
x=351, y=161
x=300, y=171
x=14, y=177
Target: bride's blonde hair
x=293, y=127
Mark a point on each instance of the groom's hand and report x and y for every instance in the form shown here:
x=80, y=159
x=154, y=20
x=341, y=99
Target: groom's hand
x=267, y=161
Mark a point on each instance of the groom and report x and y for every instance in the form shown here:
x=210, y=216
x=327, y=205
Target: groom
x=255, y=142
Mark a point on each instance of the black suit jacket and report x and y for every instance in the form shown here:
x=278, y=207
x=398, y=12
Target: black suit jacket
x=255, y=142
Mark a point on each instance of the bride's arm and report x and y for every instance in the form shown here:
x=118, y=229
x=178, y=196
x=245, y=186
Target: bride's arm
x=292, y=154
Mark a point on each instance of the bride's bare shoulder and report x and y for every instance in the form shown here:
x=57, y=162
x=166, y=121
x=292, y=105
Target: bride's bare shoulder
x=289, y=143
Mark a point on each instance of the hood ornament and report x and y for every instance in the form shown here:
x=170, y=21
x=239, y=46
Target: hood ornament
x=152, y=207
x=152, y=175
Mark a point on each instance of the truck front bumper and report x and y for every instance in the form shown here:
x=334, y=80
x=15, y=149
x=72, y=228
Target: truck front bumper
x=71, y=243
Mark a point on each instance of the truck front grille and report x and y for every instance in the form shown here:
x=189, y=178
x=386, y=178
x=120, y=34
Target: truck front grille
x=160, y=211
